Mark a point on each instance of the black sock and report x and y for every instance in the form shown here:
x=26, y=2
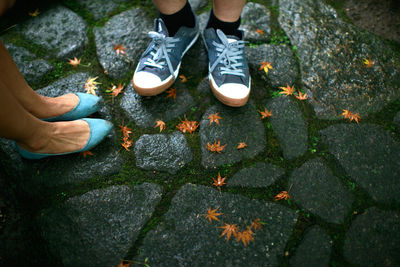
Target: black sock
x=229, y=28
x=183, y=17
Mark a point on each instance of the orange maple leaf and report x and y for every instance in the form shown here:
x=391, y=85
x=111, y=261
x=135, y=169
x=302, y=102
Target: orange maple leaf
x=122, y=264
x=287, y=90
x=219, y=182
x=125, y=130
x=214, y=118
x=86, y=153
x=301, y=96
x=282, y=195
x=116, y=90
x=245, y=236
x=216, y=147
x=91, y=85
x=161, y=124
x=260, y=32
x=74, y=62
x=127, y=143
x=183, y=78
x=265, y=114
x=34, y=13
x=241, y=145
x=265, y=65
x=119, y=48
x=349, y=115
x=368, y=62
x=171, y=93
x=187, y=126
x=212, y=214
x=256, y=224
x=229, y=229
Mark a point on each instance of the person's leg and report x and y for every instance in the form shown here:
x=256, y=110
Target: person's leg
x=39, y=106
x=35, y=135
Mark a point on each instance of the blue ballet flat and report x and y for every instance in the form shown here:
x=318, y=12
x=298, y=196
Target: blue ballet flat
x=87, y=105
x=99, y=129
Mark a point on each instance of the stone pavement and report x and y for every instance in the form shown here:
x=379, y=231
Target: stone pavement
x=148, y=205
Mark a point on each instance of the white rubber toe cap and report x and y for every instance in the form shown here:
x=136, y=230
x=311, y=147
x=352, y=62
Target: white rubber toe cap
x=234, y=90
x=146, y=80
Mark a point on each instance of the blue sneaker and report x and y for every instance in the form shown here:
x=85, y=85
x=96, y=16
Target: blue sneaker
x=228, y=70
x=159, y=65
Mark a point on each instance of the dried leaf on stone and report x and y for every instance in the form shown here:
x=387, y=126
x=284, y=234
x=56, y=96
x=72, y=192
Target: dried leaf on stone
x=171, y=93
x=91, y=85
x=368, y=62
x=260, y=32
x=301, y=96
x=229, y=230
x=187, y=126
x=87, y=153
x=265, y=114
x=34, y=13
x=241, y=145
x=245, y=236
x=219, y=182
x=213, y=214
x=161, y=124
x=116, y=90
x=257, y=224
x=216, y=147
x=265, y=65
x=282, y=195
x=214, y=118
x=119, y=48
x=287, y=90
x=183, y=78
x=351, y=116
x=74, y=62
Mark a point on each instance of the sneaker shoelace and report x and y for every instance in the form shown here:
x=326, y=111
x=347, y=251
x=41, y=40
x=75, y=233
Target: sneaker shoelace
x=230, y=55
x=159, y=55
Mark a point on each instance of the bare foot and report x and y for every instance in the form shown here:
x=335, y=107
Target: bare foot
x=59, y=137
x=56, y=106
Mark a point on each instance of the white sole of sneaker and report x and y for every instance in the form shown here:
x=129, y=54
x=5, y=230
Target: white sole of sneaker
x=232, y=102
x=168, y=82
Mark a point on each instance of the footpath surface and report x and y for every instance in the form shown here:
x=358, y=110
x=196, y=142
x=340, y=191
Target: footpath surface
x=148, y=205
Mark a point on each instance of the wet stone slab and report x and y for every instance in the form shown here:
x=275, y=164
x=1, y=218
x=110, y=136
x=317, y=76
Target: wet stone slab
x=260, y=175
x=99, y=8
x=129, y=29
x=316, y=189
x=255, y=17
x=314, y=250
x=237, y=125
x=31, y=67
x=289, y=125
x=61, y=31
x=162, y=152
x=373, y=239
x=98, y=227
x=331, y=54
x=187, y=238
x=282, y=60
x=370, y=155
x=144, y=111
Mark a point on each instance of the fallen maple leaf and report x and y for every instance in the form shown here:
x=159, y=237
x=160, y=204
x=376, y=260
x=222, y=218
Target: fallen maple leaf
x=368, y=62
x=119, y=49
x=212, y=214
x=265, y=114
x=265, y=65
x=229, y=229
x=171, y=93
x=245, y=236
x=91, y=85
x=161, y=124
x=241, y=145
x=34, y=13
x=74, y=62
x=86, y=153
x=282, y=195
x=127, y=143
x=116, y=90
x=216, y=147
x=122, y=264
x=183, y=78
x=214, y=118
x=187, y=126
x=349, y=115
x=125, y=130
x=301, y=96
x=287, y=90
x=257, y=224
x=260, y=32
x=219, y=182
